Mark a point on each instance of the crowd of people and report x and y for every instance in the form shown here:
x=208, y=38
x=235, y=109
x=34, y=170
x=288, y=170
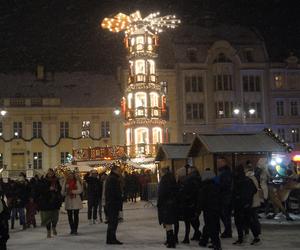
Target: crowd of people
x=182, y=196
x=187, y=194
x=45, y=195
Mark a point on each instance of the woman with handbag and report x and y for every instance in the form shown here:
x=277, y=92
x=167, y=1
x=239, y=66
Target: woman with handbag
x=71, y=189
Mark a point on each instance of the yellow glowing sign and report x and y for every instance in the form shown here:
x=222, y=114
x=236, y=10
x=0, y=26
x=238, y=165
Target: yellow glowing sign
x=296, y=158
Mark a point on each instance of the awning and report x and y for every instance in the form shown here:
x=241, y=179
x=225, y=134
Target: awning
x=236, y=143
x=172, y=151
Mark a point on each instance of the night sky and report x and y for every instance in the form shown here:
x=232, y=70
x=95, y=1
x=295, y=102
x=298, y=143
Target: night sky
x=65, y=35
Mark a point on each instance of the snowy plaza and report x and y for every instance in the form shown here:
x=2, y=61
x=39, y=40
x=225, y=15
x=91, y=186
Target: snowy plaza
x=140, y=230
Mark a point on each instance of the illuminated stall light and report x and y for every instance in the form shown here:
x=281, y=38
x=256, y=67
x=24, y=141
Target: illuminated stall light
x=140, y=67
x=128, y=136
x=140, y=99
x=154, y=97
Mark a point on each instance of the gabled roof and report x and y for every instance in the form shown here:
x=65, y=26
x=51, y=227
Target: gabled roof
x=236, y=143
x=172, y=151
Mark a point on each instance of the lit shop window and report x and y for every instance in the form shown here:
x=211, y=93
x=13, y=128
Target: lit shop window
x=85, y=129
x=157, y=135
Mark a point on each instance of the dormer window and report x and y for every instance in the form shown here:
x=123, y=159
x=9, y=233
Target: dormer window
x=192, y=54
x=222, y=58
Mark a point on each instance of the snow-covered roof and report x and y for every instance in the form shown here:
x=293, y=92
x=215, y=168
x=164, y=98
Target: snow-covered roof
x=236, y=143
x=172, y=151
x=76, y=89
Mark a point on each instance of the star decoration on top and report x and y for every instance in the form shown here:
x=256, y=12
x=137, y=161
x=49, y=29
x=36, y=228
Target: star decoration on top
x=129, y=24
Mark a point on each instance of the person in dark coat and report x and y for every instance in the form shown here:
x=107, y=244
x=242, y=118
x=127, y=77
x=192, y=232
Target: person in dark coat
x=4, y=217
x=209, y=202
x=94, y=193
x=243, y=192
x=225, y=182
x=49, y=201
x=188, y=198
x=113, y=204
x=167, y=205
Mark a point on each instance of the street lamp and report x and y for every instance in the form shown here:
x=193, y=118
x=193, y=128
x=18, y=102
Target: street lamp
x=3, y=112
x=117, y=112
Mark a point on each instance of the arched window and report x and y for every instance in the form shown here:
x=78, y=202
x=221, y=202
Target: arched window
x=154, y=99
x=151, y=67
x=140, y=66
x=140, y=99
x=141, y=136
x=157, y=135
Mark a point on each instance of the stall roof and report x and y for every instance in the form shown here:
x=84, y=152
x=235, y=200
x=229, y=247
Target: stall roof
x=236, y=143
x=172, y=151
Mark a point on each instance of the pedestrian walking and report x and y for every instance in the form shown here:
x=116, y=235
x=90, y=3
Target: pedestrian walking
x=49, y=201
x=113, y=204
x=31, y=211
x=94, y=193
x=243, y=192
x=210, y=204
x=167, y=205
x=252, y=215
x=225, y=182
x=71, y=190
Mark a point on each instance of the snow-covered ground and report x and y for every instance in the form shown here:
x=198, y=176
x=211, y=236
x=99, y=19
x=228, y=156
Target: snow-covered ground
x=140, y=230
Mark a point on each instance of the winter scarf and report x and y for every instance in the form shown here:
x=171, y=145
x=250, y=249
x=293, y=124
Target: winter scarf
x=71, y=186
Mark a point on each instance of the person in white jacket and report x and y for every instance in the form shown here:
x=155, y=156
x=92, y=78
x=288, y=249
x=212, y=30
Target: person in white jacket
x=71, y=190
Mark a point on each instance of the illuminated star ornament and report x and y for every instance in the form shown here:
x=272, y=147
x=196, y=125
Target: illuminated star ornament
x=151, y=23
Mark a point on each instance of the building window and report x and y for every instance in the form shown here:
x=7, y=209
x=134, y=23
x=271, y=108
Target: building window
x=281, y=133
x=280, y=108
x=294, y=108
x=36, y=102
x=105, y=131
x=224, y=109
x=251, y=83
x=223, y=82
x=17, y=102
x=37, y=129
x=1, y=161
x=64, y=129
x=151, y=67
x=37, y=160
x=278, y=81
x=295, y=135
x=64, y=157
x=85, y=129
x=194, y=111
x=17, y=129
x=193, y=84
x=253, y=110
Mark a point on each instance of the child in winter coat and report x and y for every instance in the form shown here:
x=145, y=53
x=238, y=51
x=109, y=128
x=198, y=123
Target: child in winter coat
x=31, y=211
